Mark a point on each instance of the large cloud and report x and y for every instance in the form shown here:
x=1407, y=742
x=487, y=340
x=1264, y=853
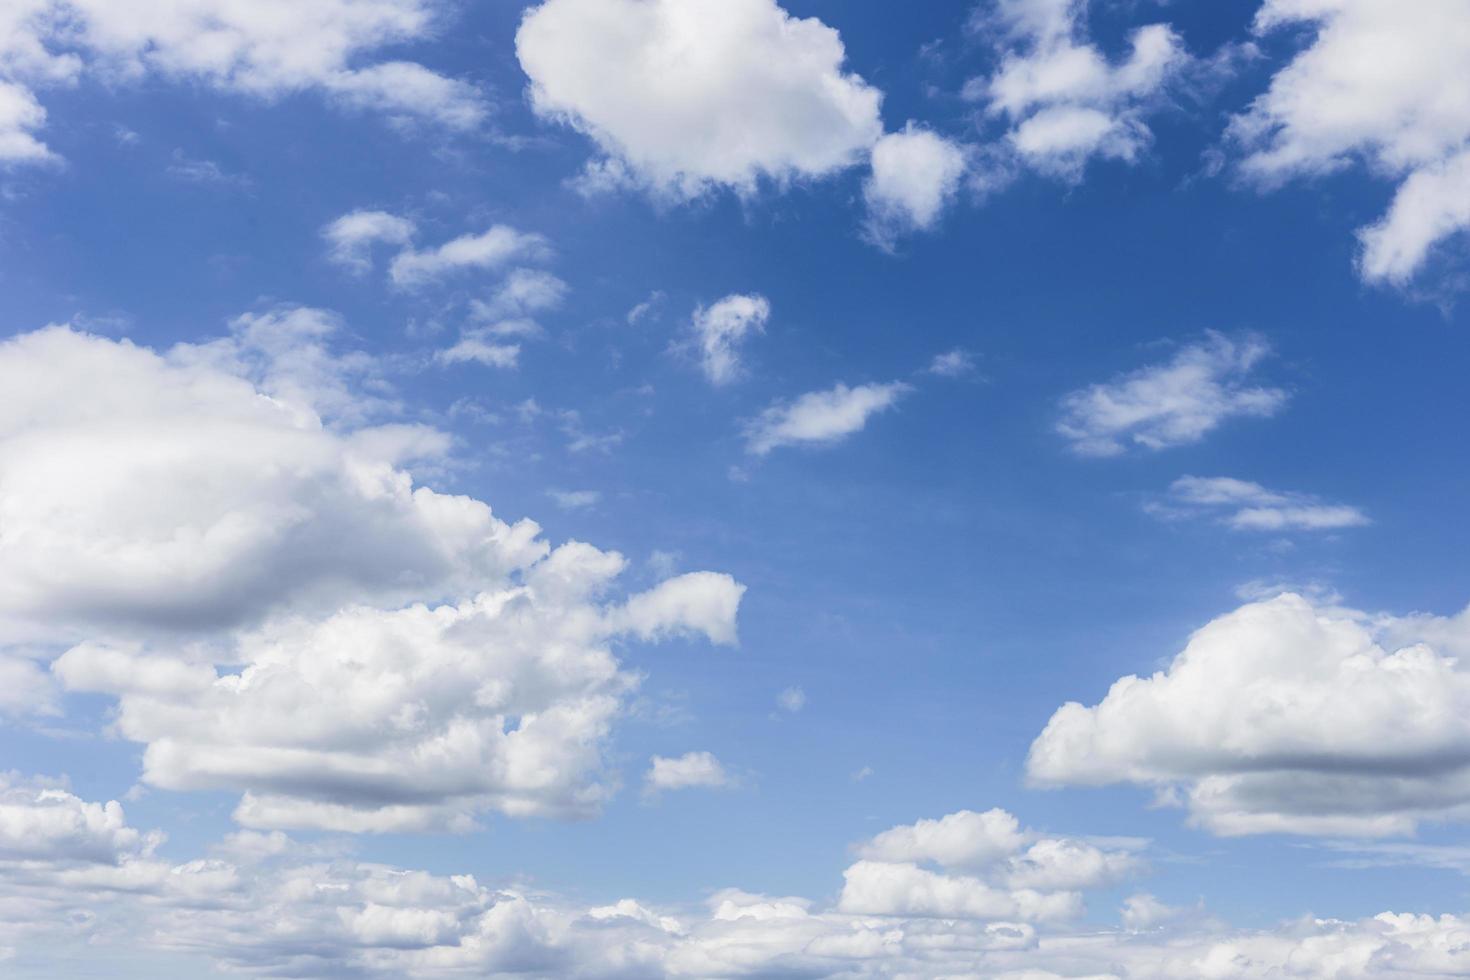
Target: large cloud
x=1283, y=716
x=390, y=657
x=75, y=874
x=1382, y=84
x=683, y=95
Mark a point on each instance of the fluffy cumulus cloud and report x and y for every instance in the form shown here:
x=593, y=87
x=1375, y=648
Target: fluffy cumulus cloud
x=1246, y=506
x=1064, y=101
x=1287, y=716
x=265, y=50
x=77, y=875
x=351, y=237
x=821, y=417
x=718, y=331
x=1171, y=404
x=685, y=95
x=916, y=173
x=242, y=563
x=1381, y=84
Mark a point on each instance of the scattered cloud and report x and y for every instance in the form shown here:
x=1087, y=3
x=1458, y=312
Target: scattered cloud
x=1063, y=100
x=719, y=330
x=690, y=770
x=682, y=99
x=1373, y=87
x=791, y=700
x=1245, y=506
x=350, y=238
x=490, y=249
x=821, y=417
x=1286, y=716
x=646, y=309
x=952, y=364
x=575, y=499
x=1170, y=404
x=916, y=174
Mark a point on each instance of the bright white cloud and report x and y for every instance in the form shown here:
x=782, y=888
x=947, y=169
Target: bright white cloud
x=153, y=498
x=690, y=770
x=1170, y=404
x=721, y=328
x=266, y=905
x=916, y=174
x=821, y=417
x=1065, y=102
x=492, y=248
x=265, y=50
x=1382, y=84
x=1285, y=716
x=1247, y=506
x=685, y=95
x=350, y=238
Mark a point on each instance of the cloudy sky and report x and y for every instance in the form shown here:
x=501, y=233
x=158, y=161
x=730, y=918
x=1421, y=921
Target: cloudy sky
x=728, y=488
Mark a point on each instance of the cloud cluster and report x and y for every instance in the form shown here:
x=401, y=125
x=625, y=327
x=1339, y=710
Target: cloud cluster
x=1246, y=506
x=682, y=96
x=262, y=50
x=1381, y=84
x=1286, y=716
x=280, y=611
x=1170, y=404
x=1064, y=102
x=265, y=905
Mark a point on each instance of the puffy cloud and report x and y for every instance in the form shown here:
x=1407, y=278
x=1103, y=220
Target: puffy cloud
x=1380, y=84
x=268, y=906
x=1064, y=101
x=684, y=96
x=820, y=417
x=692, y=769
x=1170, y=404
x=1286, y=716
x=720, y=328
x=492, y=248
x=351, y=237
x=155, y=500
x=1246, y=506
x=264, y=50
x=915, y=175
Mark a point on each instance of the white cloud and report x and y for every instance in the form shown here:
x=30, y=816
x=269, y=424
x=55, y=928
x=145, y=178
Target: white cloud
x=683, y=96
x=952, y=364
x=1381, y=84
x=1286, y=716
x=492, y=248
x=721, y=328
x=915, y=175
x=692, y=769
x=1247, y=506
x=820, y=417
x=524, y=292
x=476, y=347
x=575, y=499
x=792, y=700
x=232, y=557
x=263, y=50
x=265, y=905
x=1064, y=101
x=1170, y=404
x=351, y=237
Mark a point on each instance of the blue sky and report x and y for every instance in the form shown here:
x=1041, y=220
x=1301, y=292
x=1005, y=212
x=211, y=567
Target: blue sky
x=928, y=369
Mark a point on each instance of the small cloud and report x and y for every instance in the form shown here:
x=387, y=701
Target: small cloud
x=862, y=774
x=820, y=417
x=793, y=699
x=1245, y=506
x=691, y=770
x=648, y=309
x=952, y=364
x=720, y=329
x=575, y=499
x=185, y=168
